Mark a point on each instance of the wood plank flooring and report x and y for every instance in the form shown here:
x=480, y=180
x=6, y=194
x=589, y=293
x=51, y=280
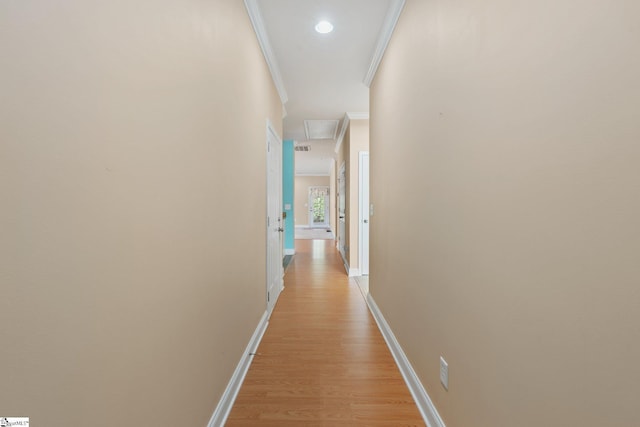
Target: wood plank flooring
x=322, y=360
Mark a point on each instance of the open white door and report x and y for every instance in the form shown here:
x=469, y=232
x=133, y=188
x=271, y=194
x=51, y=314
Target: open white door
x=363, y=242
x=275, y=227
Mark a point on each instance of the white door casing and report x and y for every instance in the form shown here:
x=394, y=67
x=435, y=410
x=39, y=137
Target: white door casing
x=363, y=186
x=274, y=222
x=342, y=210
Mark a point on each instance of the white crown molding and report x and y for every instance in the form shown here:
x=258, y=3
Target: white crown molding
x=345, y=124
x=258, y=25
x=343, y=130
x=422, y=399
x=390, y=21
x=225, y=404
x=358, y=116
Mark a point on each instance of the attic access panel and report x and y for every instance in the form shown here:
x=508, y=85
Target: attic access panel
x=321, y=129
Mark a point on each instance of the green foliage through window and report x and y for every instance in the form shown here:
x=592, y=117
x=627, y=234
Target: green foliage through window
x=319, y=206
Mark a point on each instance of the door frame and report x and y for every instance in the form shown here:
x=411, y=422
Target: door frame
x=363, y=208
x=341, y=194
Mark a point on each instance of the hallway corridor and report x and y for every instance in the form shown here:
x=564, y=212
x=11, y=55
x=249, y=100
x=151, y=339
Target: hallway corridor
x=322, y=360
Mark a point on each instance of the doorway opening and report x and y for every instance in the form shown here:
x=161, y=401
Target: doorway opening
x=318, y=207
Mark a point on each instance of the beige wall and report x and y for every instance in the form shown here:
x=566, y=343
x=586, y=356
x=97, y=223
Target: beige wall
x=356, y=139
x=132, y=274
x=505, y=179
x=301, y=196
x=358, y=142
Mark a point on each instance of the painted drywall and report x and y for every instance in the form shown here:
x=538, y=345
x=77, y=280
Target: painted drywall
x=132, y=274
x=288, y=184
x=505, y=180
x=302, y=196
x=355, y=140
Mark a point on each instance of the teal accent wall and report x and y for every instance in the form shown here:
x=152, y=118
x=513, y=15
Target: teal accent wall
x=288, y=179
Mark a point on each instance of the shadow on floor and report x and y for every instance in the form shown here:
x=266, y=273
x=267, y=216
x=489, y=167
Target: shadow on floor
x=286, y=261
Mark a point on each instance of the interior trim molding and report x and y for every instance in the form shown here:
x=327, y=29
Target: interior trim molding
x=389, y=24
x=258, y=26
x=345, y=124
x=354, y=272
x=225, y=404
x=358, y=116
x=422, y=399
x=344, y=261
x=343, y=130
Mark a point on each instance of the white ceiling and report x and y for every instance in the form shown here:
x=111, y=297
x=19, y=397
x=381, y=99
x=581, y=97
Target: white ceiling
x=321, y=76
x=316, y=161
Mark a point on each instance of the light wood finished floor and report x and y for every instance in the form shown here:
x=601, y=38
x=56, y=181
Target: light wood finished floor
x=322, y=360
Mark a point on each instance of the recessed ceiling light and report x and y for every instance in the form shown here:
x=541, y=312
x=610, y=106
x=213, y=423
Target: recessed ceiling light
x=324, y=27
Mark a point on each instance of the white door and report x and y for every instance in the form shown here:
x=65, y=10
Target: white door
x=363, y=242
x=342, y=210
x=318, y=206
x=275, y=226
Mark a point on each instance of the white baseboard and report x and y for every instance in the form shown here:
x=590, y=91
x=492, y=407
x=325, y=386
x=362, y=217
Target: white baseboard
x=225, y=404
x=423, y=401
x=289, y=251
x=353, y=272
x=344, y=262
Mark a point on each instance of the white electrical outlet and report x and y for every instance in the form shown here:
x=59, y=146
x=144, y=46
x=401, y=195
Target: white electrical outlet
x=444, y=373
